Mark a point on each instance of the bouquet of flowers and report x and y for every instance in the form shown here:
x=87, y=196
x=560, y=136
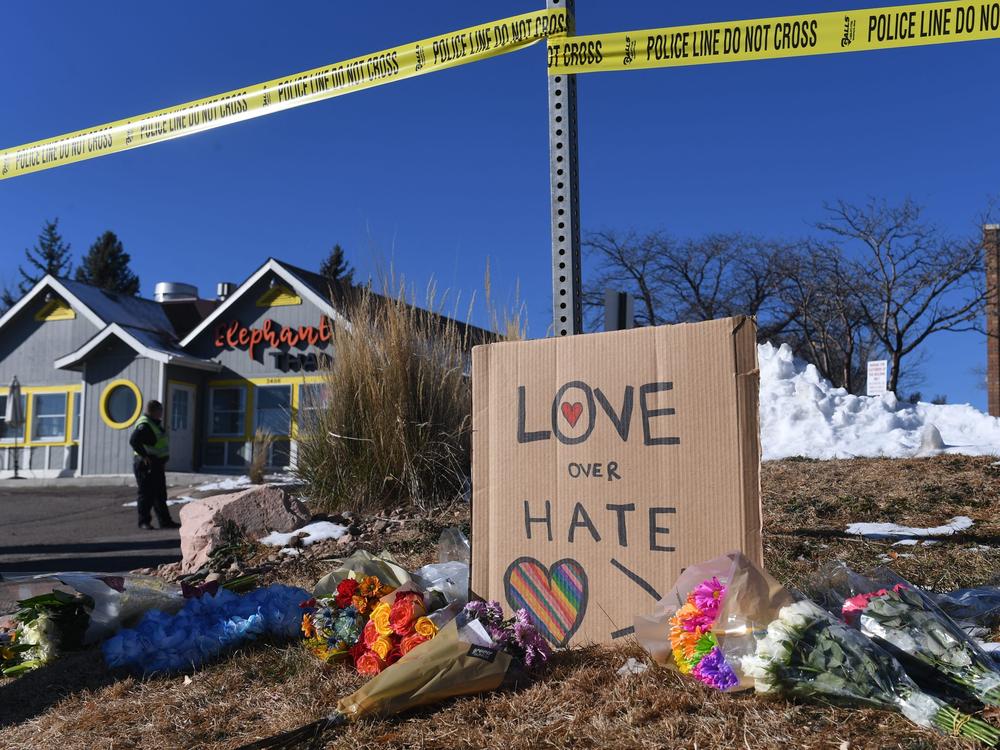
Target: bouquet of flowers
x=807, y=653
x=392, y=631
x=906, y=621
x=333, y=625
x=730, y=625
x=706, y=622
x=695, y=648
x=111, y=601
x=204, y=628
x=475, y=652
x=330, y=631
x=516, y=635
x=43, y=626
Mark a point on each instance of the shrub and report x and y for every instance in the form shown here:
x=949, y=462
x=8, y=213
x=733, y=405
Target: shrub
x=262, y=440
x=396, y=417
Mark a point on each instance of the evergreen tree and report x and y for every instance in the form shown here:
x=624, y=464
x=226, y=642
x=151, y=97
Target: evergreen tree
x=49, y=256
x=7, y=300
x=106, y=266
x=336, y=269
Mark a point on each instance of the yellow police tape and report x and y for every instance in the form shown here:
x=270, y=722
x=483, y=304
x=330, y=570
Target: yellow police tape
x=406, y=61
x=787, y=36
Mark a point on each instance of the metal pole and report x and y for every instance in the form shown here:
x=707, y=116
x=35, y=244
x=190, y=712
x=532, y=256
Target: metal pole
x=567, y=302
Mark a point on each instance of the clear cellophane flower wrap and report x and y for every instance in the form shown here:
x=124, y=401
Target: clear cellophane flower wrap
x=907, y=622
x=361, y=564
x=753, y=632
x=117, y=600
x=751, y=600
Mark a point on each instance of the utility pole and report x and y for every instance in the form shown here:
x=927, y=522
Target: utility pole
x=567, y=302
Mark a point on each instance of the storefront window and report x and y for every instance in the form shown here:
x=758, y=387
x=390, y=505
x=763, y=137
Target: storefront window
x=235, y=454
x=274, y=409
x=7, y=432
x=215, y=454
x=227, y=411
x=48, y=416
x=312, y=398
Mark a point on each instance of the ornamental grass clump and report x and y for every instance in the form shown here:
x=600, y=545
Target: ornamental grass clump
x=394, y=421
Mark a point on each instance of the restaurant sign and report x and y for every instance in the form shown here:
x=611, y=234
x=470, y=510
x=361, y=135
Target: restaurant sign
x=234, y=335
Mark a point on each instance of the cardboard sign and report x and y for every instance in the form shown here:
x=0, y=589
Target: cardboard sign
x=605, y=464
x=878, y=371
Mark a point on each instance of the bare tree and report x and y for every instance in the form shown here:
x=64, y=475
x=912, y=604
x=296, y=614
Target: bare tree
x=827, y=327
x=628, y=263
x=673, y=281
x=909, y=281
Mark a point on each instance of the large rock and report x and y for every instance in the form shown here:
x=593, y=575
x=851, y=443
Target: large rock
x=258, y=511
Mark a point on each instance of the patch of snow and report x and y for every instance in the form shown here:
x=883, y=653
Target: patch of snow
x=802, y=414
x=895, y=531
x=238, y=483
x=311, y=533
x=170, y=501
x=889, y=558
x=632, y=666
x=291, y=552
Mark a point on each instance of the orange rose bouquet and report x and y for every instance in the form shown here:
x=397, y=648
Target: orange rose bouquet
x=393, y=630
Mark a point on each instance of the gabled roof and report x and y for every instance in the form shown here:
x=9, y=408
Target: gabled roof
x=151, y=344
x=300, y=281
x=318, y=290
x=100, y=307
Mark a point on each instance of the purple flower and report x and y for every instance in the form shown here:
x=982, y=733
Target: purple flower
x=489, y=613
x=529, y=640
x=715, y=672
x=707, y=596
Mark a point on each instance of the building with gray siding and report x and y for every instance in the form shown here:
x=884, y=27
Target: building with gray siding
x=88, y=360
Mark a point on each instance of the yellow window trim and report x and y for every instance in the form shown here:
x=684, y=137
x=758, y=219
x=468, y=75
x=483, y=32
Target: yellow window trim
x=106, y=418
x=277, y=380
x=28, y=391
x=293, y=381
x=278, y=296
x=55, y=309
x=25, y=389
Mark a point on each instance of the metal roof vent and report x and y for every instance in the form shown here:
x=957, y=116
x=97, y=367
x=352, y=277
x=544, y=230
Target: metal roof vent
x=223, y=289
x=175, y=291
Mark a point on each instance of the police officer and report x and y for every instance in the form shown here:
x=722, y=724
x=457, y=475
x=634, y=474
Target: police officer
x=152, y=450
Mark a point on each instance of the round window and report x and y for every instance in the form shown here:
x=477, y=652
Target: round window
x=121, y=403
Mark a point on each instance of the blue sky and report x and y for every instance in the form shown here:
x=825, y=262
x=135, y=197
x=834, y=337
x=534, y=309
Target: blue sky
x=439, y=174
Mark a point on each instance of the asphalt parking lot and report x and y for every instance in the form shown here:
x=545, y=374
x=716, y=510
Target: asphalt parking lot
x=78, y=528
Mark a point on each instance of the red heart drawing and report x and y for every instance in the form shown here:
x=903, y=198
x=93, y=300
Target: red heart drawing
x=572, y=412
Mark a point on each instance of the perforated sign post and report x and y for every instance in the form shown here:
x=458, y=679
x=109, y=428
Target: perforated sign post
x=567, y=299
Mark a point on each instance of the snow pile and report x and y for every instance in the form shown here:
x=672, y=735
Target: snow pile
x=241, y=483
x=908, y=533
x=310, y=533
x=801, y=414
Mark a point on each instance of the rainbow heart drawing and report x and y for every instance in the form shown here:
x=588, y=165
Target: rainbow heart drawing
x=554, y=597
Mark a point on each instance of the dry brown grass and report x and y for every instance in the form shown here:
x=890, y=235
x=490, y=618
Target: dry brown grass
x=808, y=504
x=581, y=702
x=397, y=418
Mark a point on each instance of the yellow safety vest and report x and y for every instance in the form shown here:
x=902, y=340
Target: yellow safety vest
x=159, y=449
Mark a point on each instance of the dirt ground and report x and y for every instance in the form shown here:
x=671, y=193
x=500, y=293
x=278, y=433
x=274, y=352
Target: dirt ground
x=581, y=701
